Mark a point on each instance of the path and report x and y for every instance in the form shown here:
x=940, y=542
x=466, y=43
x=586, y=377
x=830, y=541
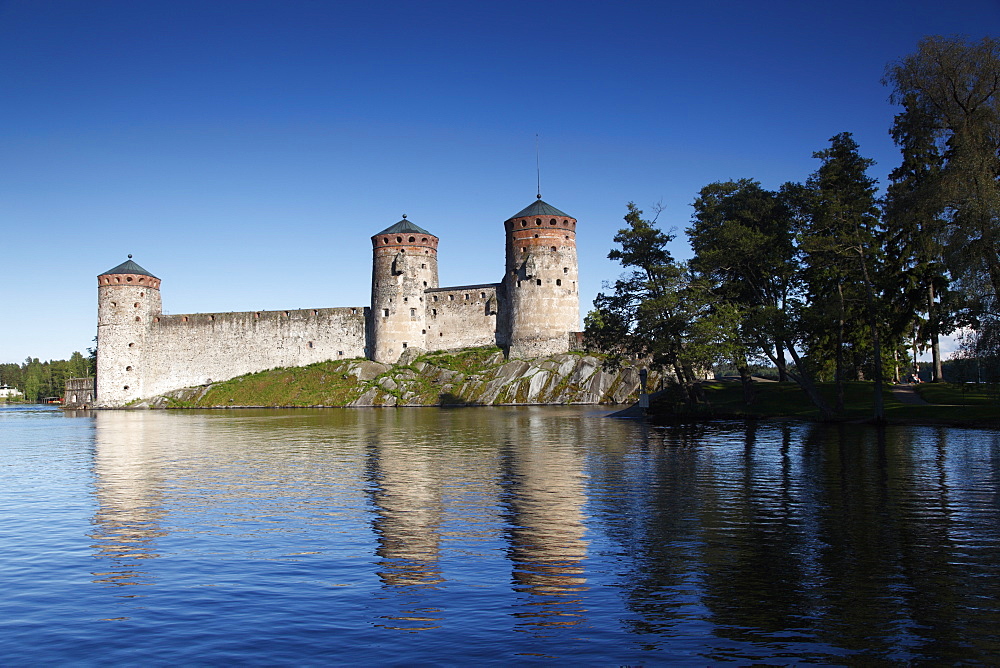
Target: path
x=907, y=394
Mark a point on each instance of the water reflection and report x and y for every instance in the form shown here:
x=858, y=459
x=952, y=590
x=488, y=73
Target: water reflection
x=128, y=485
x=543, y=483
x=748, y=542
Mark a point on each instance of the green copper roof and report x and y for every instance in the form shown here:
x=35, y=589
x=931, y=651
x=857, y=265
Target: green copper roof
x=539, y=208
x=129, y=267
x=404, y=226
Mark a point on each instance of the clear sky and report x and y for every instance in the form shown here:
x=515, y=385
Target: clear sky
x=244, y=151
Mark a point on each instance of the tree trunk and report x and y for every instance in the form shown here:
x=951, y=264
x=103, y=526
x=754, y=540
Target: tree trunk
x=839, y=375
x=779, y=360
x=937, y=373
x=747, y=382
x=803, y=380
x=876, y=341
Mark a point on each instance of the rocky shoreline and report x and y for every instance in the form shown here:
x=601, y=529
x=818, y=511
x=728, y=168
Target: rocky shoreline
x=476, y=377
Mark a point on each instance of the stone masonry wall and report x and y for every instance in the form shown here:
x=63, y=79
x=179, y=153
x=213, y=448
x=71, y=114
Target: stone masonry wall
x=186, y=350
x=461, y=317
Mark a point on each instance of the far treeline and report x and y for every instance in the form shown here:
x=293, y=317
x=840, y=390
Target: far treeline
x=823, y=279
x=41, y=380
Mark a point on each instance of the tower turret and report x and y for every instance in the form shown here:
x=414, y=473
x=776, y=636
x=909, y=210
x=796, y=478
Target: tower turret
x=404, y=264
x=128, y=298
x=540, y=283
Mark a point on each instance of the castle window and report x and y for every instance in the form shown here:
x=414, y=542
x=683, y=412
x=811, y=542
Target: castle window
x=128, y=368
x=423, y=240
x=552, y=222
x=434, y=312
x=315, y=312
x=538, y=281
x=482, y=295
x=385, y=240
x=141, y=280
x=404, y=345
x=440, y=333
x=412, y=239
x=185, y=318
x=524, y=223
x=558, y=281
x=536, y=236
x=142, y=294
x=566, y=237
x=413, y=313
x=385, y=313
x=310, y=344
x=425, y=284
x=156, y=320
x=451, y=298
x=538, y=221
x=423, y=265
x=211, y=317
x=138, y=319
x=565, y=270
x=466, y=296
x=354, y=311
x=340, y=353
x=135, y=305
x=118, y=279
x=128, y=279
x=288, y=314
x=113, y=304
x=125, y=388
x=399, y=240
x=423, y=331
x=130, y=345
x=257, y=314
x=519, y=284
x=406, y=299
x=435, y=297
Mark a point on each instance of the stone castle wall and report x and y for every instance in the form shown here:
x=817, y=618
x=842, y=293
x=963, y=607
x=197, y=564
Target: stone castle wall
x=194, y=349
x=462, y=317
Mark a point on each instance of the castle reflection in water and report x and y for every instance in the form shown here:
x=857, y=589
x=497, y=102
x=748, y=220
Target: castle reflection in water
x=843, y=540
x=161, y=478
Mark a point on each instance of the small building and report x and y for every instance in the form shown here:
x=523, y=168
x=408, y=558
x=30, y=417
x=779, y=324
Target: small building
x=7, y=392
x=79, y=394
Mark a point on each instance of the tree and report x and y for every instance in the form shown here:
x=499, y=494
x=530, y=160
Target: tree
x=915, y=229
x=841, y=243
x=955, y=85
x=654, y=310
x=743, y=244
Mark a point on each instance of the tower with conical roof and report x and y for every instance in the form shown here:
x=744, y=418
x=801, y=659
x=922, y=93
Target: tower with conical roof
x=540, y=282
x=404, y=264
x=128, y=298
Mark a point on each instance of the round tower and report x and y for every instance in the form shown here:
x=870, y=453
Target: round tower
x=404, y=264
x=128, y=298
x=540, y=283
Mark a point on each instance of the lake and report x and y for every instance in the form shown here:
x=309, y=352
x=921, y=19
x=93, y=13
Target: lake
x=491, y=535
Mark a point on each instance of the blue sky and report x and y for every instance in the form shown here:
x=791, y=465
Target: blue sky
x=245, y=151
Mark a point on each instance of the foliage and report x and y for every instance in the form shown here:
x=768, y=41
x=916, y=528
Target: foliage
x=657, y=310
x=41, y=380
x=950, y=128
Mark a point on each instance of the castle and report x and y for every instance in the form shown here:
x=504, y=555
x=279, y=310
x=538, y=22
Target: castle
x=533, y=311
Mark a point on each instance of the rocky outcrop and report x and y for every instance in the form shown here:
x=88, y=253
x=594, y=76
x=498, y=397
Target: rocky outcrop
x=477, y=377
